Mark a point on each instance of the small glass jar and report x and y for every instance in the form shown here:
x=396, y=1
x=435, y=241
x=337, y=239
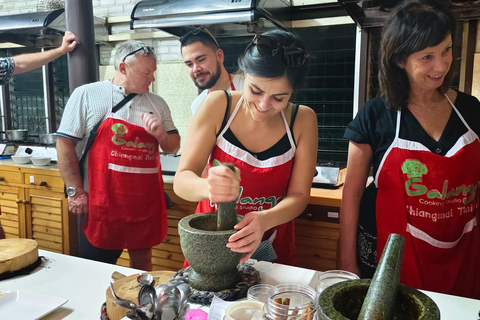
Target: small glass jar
x=244, y=310
x=290, y=301
x=259, y=292
x=328, y=278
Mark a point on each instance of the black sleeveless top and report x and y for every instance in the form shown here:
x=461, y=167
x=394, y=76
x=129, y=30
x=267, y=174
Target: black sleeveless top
x=279, y=148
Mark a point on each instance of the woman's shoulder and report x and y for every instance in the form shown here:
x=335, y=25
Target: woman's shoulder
x=374, y=110
x=465, y=100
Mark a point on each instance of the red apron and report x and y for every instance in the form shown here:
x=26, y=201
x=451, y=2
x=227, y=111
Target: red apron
x=263, y=185
x=432, y=201
x=126, y=198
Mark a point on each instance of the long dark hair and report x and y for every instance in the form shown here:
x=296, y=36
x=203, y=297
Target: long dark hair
x=274, y=66
x=411, y=27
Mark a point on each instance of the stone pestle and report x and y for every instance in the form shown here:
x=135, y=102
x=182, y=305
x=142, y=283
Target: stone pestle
x=227, y=211
x=381, y=297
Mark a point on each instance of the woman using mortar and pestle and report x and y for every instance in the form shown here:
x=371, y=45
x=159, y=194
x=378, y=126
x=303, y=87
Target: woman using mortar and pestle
x=271, y=141
x=422, y=139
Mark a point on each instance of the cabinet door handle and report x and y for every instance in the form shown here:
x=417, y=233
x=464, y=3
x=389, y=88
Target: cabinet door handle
x=18, y=201
x=2, y=178
x=43, y=183
x=25, y=201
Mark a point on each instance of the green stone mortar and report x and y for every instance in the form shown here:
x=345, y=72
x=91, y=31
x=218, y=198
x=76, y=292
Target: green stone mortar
x=382, y=298
x=214, y=265
x=344, y=300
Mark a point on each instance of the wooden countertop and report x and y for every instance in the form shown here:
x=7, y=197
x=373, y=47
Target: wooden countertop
x=326, y=197
x=9, y=165
x=318, y=196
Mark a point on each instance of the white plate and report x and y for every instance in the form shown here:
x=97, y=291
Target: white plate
x=27, y=305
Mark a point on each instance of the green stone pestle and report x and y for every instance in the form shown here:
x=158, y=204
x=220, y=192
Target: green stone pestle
x=227, y=211
x=381, y=297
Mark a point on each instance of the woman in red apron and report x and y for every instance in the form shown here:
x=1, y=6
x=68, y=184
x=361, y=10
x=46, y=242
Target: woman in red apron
x=425, y=152
x=271, y=142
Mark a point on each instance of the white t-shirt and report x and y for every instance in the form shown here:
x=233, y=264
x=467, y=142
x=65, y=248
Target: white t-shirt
x=92, y=102
x=238, y=80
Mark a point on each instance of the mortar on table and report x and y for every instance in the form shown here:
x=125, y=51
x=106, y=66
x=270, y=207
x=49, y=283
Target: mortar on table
x=203, y=239
x=381, y=297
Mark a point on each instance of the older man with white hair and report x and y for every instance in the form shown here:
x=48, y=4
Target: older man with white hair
x=116, y=128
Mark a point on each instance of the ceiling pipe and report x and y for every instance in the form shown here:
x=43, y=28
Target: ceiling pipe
x=83, y=61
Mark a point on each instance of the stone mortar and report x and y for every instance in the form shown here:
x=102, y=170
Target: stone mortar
x=214, y=265
x=343, y=301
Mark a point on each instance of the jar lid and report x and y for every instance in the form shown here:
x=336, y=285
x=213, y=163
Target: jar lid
x=244, y=310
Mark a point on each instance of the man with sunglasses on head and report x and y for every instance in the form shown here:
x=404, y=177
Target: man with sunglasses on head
x=121, y=195
x=204, y=60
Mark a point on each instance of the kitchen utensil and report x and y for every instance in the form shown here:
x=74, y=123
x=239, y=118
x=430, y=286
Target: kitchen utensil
x=162, y=290
x=145, y=279
x=48, y=138
x=17, y=135
x=183, y=311
x=133, y=315
x=113, y=291
x=146, y=295
x=21, y=159
x=126, y=304
x=128, y=288
x=146, y=311
x=41, y=161
x=185, y=293
x=227, y=211
x=381, y=296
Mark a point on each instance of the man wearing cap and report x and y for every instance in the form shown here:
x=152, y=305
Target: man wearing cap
x=204, y=60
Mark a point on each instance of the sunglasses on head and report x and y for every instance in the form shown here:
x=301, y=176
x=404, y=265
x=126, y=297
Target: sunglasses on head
x=197, y=31
x=147, y=50
x=293, y=56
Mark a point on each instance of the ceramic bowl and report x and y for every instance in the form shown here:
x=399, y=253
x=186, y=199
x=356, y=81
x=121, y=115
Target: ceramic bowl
x=21, y=159
x=41, y=161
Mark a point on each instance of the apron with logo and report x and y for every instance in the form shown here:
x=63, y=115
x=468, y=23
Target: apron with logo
x=126, y=203
x=263, y=185
x=432, y=201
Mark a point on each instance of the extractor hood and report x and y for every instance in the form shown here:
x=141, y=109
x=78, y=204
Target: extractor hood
x=373, y=13
x=223, y=17
x=41, y=29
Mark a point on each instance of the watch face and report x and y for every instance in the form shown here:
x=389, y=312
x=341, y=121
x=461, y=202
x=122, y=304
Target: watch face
x=71, y=191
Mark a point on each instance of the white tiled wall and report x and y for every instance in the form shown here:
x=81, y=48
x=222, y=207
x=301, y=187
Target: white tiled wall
x=172, y=81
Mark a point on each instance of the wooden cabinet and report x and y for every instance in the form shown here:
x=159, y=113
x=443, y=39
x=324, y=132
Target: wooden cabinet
x=317, y=233
x=34, y=206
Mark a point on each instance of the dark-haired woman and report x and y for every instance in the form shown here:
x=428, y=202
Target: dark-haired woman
x=422, y=139
x=271, y=142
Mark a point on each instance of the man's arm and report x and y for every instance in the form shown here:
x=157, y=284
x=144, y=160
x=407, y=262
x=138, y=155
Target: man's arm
x=70, y=172
x=31, y=61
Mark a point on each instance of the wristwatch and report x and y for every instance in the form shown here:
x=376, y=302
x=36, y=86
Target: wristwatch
x=71, y=191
